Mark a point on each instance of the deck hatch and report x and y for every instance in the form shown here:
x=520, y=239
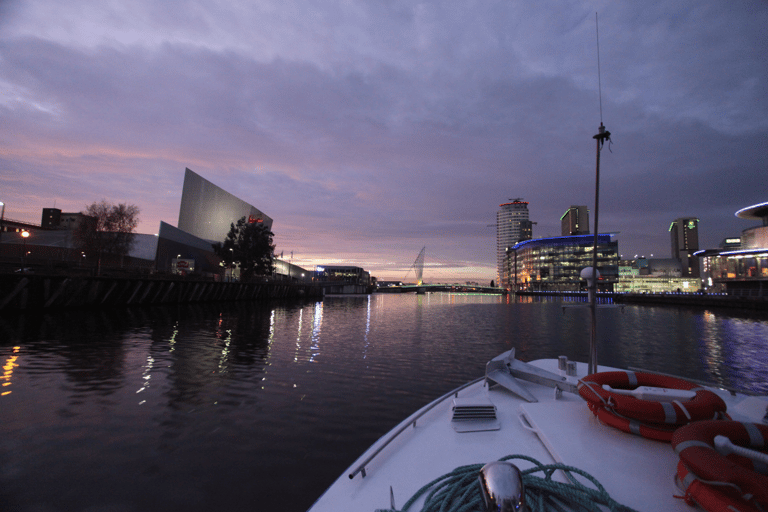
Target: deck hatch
x=474, y=415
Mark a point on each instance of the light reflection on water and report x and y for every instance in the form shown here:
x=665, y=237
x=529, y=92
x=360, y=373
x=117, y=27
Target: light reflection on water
x=238, y=405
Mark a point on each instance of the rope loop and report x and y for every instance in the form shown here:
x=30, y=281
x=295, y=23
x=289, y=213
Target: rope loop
x=459, y=490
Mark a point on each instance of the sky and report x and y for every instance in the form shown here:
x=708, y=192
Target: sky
x=370, y=129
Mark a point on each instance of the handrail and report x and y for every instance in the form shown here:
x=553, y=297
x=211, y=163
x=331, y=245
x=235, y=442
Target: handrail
x=423, y=411
x=733, y=391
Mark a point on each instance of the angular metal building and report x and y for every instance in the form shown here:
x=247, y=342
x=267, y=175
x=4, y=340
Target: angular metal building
x=207, y=211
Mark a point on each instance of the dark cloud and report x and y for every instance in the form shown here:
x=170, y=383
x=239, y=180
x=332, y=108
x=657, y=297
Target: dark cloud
x=368, y=131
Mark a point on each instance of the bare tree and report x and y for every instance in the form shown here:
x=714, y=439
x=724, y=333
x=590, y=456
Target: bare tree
x=107, y=228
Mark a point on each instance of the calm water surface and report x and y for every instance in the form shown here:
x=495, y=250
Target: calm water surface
x=256, y=406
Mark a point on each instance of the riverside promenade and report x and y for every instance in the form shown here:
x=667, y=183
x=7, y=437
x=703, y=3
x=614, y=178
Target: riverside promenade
x=30, y=292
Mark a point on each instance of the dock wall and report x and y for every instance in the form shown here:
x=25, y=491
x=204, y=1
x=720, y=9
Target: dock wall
x=669, y=299
x=38, y=292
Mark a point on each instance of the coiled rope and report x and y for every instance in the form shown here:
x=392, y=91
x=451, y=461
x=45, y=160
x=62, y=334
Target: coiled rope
x=459, y=491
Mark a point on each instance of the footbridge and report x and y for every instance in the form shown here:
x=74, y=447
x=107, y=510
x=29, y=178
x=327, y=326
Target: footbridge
x=421, y=287
x=450, y=288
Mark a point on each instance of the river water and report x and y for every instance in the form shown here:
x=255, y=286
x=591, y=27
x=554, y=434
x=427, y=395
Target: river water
x=254, y=406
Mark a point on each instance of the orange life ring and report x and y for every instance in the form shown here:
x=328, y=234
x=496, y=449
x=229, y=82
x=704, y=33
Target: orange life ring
x=712, y=499
x=647, y=430
x=704, y=405
x=694, y=444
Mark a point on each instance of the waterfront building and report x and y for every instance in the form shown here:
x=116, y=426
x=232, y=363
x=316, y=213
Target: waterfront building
x=207, y=211
x=654, y=275
x=684, y=236
x=206, y=214
x=512, y=226
x=654, y=284
x=575, y=221
x=285, y=270
x=343, y=274
x=742, y=271
x=555, y=264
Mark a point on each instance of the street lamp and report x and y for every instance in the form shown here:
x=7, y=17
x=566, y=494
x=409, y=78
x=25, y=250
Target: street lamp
x=24, y=236
x=2, y=217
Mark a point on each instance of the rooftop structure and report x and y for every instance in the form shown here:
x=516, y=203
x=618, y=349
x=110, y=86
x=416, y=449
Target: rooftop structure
x=575, y=221
x=756, y=212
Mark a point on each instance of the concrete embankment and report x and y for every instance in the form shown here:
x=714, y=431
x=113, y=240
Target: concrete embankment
x=36, y=292
x=695, y=299
x=670, y=299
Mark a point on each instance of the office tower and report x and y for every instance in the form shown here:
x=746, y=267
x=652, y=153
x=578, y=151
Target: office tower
x=575, y=221
x=684, y=235
x=512, y=226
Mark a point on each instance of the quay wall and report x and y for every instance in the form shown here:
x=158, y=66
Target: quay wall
x=39, y=292
x=670, y=299
x=695, y=299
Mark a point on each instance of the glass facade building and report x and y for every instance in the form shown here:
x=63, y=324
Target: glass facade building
x=555, y=264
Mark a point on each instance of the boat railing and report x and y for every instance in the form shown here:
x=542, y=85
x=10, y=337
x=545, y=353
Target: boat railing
x=733, y=391
x=411, y=422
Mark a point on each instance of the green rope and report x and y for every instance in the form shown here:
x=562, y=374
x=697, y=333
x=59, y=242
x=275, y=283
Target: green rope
x=459, y=491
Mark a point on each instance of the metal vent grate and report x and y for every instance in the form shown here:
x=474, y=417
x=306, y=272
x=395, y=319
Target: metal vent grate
x=461, y=413
x=474, y=415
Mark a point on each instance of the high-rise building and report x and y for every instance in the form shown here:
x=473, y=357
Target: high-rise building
x=575, y=221
x=684, y=235
x=512, y=226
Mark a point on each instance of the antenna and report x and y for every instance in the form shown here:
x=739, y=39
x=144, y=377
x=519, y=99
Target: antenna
x=601, y=137
x=599, y=83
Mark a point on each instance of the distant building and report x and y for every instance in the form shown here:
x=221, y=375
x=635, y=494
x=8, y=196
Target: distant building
x=512, y=226
x=53, y=218
x=555, y=264
x=286, y=270
x=684, y=235
x=575, y=221
x=343, y=274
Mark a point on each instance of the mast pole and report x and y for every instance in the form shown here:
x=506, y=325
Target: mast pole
x=601, y=136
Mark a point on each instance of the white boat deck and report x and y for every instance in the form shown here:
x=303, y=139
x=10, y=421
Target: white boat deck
x=636, y=472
